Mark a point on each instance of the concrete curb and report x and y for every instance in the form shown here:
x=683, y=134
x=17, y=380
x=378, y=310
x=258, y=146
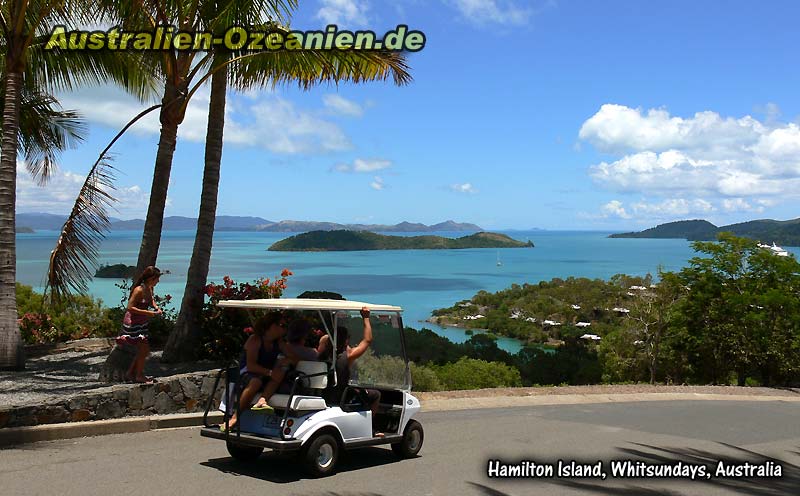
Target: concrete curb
x=21, y=435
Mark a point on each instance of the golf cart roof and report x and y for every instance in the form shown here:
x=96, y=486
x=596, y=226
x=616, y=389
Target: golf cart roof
x=306, y=304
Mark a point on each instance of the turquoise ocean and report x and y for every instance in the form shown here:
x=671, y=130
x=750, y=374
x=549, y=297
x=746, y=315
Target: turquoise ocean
x=417, y=280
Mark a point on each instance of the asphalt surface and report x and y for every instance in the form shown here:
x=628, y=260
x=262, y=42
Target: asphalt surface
x=453, y=460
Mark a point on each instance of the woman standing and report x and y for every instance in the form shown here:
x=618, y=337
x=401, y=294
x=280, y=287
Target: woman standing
x=136, y=321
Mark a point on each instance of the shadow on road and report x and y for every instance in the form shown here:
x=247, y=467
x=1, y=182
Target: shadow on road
x=285, y=468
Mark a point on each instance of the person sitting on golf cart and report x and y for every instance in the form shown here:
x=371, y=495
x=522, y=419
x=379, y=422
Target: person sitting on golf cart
x=259, y=357
x=295, y=351
x=345, y=357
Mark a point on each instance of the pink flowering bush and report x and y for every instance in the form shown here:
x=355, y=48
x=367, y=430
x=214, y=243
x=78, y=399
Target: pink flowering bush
x=223, y=331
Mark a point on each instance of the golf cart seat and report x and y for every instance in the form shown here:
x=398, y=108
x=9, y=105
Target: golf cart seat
x=313, y=377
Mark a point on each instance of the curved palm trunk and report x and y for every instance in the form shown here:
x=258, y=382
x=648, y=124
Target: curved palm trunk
x=171, y=117
x=183, y=341
x=11, y=350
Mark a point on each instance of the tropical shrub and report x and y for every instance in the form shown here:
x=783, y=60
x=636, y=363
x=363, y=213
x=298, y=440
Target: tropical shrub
x=222, y=332
x=468, y=373
x=76, y=318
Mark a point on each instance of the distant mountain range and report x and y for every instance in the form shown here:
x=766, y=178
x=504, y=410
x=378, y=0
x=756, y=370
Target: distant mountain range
x=782, y=232
x=53, y=222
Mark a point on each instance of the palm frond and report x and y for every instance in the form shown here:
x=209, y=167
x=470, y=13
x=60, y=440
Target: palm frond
x=76, y=249
x=308, y=68
x=138, y=73
x=45, y=130
x=77, y=246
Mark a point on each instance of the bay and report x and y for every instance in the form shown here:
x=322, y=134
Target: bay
x=420, y=281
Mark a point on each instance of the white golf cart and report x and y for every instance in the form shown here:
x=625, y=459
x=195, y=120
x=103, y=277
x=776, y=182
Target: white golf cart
x=308, y=421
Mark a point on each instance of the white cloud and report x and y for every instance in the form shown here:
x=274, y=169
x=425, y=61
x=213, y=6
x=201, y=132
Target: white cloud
x=277, y=125
x=362, y=165
x=705, y=155
x=614, y=208
x=342, y=106
x=492, y=11
x=270, y=122
x=466, y=188
x=346, y=13
x=58, y=196
x=377, y=184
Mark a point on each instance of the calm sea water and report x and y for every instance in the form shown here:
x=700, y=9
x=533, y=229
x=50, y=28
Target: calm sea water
x=418, y=280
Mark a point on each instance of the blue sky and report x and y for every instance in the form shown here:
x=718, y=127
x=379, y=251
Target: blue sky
x=550, y=114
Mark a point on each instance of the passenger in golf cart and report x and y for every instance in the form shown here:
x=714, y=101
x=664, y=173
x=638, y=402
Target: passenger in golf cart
x=268, y=369
x=295, y=351
x=345, y=357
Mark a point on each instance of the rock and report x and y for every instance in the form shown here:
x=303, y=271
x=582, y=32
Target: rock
x=109, y=409
x=207, y=387
x=121, y=392
x=191, y=404
x=78, y=402
x=164, y=404
x=52, y=415
x=135, y=398
x=80, y=415
x=148, y=396
x=190, y=389
x=117, y=363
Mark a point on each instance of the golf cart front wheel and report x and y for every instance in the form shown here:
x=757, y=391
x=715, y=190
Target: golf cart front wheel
x=320, y=457
x=244, y=453
x=412, y=440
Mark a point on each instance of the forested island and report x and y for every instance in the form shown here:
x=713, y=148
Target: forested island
x=785, y=232
x=23, y=230
x=117, y=271
x=344, y=240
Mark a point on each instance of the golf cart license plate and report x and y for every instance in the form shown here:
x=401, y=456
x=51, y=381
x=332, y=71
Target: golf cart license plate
x=271, y=420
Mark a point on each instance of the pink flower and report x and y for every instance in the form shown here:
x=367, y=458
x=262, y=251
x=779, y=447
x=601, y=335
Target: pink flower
x=248, y=330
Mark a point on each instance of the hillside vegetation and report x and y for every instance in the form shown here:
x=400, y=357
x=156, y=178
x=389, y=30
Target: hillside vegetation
x=785, y=232
x=364, y=240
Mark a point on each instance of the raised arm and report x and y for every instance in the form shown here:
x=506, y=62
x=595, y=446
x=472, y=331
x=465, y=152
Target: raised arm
x=366, y=341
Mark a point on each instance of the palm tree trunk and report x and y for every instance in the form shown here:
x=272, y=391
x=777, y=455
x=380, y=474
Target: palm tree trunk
x=183, y=341
x=11, y=351
x=171, y=117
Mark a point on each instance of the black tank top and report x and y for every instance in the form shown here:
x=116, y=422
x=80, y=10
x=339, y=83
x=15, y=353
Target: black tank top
x=342, y=379
x=265, y=358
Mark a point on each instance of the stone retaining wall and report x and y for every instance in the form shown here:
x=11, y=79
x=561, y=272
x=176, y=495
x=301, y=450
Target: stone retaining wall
x=185, y=393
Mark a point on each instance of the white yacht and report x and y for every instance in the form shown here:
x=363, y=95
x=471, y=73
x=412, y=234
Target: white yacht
x=776, y=250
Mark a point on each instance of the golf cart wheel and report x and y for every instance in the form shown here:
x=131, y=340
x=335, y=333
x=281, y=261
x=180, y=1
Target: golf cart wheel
x=244, y=453
x=319, y=458
x=412, y=440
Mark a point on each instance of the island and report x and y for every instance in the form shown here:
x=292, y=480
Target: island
x=344, y=240
x=24, y=230
x=783, y=232
x=117, y=271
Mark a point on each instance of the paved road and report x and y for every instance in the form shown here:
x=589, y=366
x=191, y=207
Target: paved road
x=453, y=459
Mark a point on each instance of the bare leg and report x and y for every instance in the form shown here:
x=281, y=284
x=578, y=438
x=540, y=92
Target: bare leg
x=275, y=381
x=135, y=371
x=244, y=400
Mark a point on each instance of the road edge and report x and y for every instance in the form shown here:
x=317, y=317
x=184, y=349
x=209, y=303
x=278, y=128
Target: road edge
x=14, y=436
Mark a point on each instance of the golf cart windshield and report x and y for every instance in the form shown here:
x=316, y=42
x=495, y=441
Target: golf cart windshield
x=384, y=364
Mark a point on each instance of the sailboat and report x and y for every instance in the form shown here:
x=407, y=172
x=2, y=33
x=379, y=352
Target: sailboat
x=499, y=263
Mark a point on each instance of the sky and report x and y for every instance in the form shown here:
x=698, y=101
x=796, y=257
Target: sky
x=551, y=114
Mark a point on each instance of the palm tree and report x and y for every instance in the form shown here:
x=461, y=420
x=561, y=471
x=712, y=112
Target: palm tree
x=29, y=69
x=304, y=68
